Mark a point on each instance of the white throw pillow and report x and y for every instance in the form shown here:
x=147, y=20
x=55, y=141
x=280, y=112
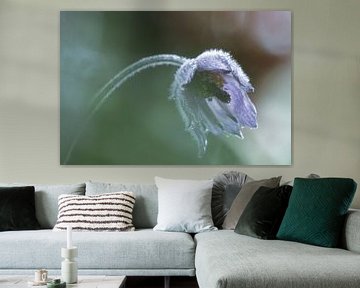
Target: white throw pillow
x=184, y=205
x=105, y=212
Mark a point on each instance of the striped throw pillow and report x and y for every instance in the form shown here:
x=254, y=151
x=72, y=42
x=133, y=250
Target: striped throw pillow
x=105, y=212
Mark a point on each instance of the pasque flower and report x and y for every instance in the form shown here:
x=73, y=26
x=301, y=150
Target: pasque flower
x=210, y=92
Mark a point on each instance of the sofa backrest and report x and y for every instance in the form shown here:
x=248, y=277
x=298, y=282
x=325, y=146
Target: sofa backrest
x=146, y=203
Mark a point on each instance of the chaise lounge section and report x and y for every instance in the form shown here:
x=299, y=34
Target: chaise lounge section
x=225, y=259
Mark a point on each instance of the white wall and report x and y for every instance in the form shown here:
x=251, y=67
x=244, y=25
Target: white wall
x=326, y=97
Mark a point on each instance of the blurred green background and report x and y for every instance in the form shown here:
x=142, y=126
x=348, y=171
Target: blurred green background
x=139, y=125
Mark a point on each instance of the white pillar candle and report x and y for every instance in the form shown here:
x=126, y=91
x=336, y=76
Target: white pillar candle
x=69, y=237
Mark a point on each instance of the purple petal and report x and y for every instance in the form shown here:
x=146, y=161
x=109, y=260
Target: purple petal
x=224, y=117
x=240, y=105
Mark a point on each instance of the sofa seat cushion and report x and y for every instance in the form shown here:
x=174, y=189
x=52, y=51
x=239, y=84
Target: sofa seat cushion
x=142, y=249
x=226, y=259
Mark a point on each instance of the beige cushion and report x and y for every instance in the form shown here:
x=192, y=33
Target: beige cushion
x=243, y=198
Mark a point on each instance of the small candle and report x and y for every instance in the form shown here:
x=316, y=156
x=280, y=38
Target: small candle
x=69, y=239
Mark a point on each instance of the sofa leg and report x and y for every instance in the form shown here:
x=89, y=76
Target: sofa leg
x=167, y=282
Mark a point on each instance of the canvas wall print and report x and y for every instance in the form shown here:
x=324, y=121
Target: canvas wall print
x=175, y=88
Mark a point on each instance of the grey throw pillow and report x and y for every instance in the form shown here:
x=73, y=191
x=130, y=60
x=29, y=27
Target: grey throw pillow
x=225, y=189
x=310, y=176
x=242, y=199
x=184, y=205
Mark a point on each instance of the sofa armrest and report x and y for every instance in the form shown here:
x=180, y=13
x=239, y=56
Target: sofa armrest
x=351, y=234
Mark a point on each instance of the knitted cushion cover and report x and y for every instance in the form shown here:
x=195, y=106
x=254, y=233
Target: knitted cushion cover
x=316, y=211
x=105, y=212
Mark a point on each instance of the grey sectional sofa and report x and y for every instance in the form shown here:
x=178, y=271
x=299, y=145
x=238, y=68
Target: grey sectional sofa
x=218, y=259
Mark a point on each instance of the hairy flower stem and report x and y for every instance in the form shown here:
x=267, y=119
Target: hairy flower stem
x=108, y=89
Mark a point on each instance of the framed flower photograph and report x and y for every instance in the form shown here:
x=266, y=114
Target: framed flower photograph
x=175, y=88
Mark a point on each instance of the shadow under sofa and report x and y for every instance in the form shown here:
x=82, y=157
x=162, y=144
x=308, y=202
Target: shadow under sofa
x=220, y=259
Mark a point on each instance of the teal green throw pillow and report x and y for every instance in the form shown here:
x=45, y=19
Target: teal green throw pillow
x=316, y=211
